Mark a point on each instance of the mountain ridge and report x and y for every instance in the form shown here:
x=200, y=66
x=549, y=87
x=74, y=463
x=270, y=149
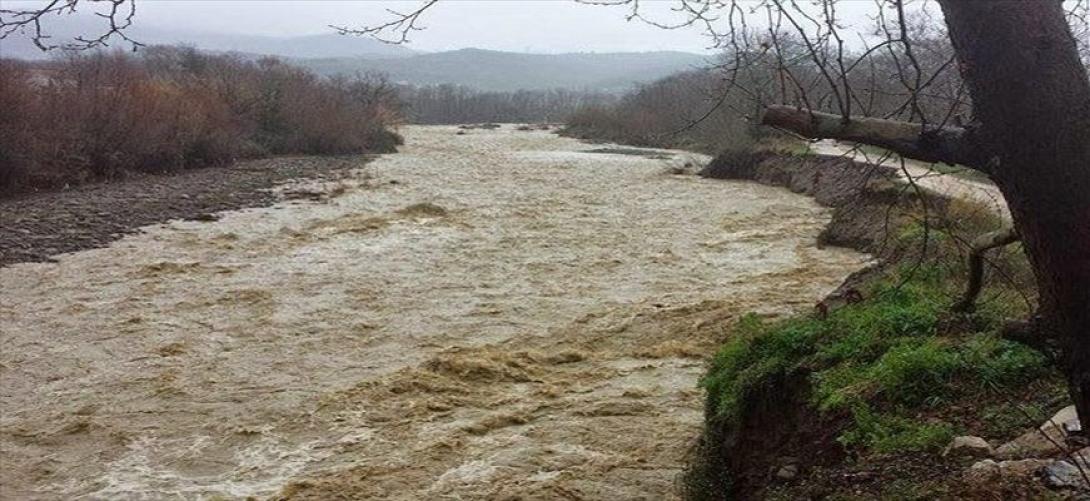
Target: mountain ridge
x=493, y=70
x=330, y=54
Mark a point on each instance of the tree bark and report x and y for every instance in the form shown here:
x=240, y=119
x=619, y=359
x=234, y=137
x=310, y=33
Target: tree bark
x=953, y=145
x=1031, y=134
x=1031, y=96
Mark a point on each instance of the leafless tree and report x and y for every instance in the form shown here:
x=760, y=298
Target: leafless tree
x=452, y=104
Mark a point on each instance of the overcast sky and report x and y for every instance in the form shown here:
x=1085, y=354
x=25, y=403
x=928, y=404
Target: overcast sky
x=514, y=25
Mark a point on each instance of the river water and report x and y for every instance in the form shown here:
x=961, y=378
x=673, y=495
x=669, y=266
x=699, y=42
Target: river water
x=488, y=314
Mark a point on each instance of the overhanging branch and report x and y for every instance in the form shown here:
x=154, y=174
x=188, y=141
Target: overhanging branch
x=951, y=145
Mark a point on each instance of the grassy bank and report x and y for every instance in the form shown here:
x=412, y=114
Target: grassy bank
x=856, y=399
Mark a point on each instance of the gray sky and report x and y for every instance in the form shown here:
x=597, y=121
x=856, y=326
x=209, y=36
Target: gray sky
x=514, y=25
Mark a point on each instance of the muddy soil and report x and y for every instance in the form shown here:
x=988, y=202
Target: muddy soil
x=493, y=314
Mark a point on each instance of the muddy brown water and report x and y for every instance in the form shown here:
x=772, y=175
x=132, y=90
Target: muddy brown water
x=499, y=313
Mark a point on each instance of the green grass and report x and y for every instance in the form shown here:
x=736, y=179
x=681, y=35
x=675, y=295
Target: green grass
x=882, y=362
x=885, y=433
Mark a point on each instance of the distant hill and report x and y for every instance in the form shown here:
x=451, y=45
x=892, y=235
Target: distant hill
x=332, y=54
x=329, y=45
x=508, y=71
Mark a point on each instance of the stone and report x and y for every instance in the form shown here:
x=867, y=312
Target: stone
x=990, y=470
x=1065, y=475
x=1030, y=444
x=985, y=467
x=787, y=472
x=1043, y=441
x=968, y=446
x=1066, y=419
x=1022, y=467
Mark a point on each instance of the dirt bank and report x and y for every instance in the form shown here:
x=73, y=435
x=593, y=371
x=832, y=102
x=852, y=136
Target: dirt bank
x=498, y=312
x=926, y=175
x=34, y=227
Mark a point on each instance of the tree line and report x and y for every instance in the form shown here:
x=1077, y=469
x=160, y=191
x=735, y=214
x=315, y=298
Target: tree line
x=453, y=104
x=97, y=114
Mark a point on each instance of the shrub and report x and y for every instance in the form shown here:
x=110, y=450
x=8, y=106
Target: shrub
x=97, y=115
x=452, y=104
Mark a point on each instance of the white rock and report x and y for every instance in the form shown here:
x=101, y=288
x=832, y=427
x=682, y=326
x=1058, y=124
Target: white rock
x=1065, y=475
x=1042, y=441
x=787, y=472
x=989, y=470
x=968, y=446
x=1066, y=419
x=983, y=469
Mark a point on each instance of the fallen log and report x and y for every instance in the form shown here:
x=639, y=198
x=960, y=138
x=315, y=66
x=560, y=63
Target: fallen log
x=952, y=145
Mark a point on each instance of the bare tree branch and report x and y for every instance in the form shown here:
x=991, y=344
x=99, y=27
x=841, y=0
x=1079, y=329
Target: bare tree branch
x=119, y=14
x=399, y=27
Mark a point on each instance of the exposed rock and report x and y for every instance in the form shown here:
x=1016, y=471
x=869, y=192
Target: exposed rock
x=1067, y=419
x=1043, y=441
x=1065, y=475
x=968, y=447
x=787, y=472
x=990, y=471
x=1031, y=444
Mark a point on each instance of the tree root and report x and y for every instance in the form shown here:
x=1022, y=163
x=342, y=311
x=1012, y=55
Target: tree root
x=981, y=245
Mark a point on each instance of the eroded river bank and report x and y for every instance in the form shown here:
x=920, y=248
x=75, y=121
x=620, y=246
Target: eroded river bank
x=499, y=312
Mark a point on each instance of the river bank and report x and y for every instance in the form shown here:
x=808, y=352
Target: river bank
x=858, y=398
x=36, y=226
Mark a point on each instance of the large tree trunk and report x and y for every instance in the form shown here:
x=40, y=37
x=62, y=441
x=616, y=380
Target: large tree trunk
x=1031, y=134
x=1031, y=96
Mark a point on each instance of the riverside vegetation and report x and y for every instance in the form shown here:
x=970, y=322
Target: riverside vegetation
x=101, y=115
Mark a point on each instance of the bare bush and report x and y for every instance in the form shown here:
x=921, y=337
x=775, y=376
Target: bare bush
x=686, y=110
x=97, y=115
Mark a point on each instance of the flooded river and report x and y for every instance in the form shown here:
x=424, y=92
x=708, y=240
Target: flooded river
x=496, y=313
